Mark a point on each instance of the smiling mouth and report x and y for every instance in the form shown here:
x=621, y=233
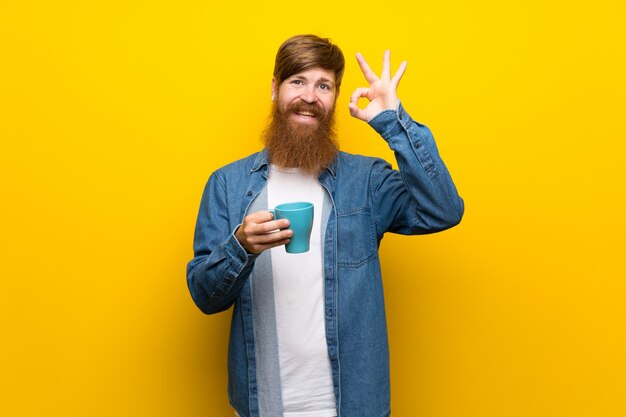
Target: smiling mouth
x=305, y=117
x=306, y=113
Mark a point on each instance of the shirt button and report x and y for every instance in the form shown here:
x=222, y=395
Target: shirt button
x=249, y=193
x=417, y=144
x=330, y=312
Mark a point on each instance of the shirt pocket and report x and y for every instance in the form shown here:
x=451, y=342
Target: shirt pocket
x=356, y=237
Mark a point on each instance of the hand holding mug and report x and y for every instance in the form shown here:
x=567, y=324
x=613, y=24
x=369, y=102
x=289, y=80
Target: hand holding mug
x=259, y=231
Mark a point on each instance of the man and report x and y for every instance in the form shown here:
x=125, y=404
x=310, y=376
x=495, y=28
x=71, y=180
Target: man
x=308, y=334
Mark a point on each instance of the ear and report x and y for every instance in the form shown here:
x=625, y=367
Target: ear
x=274, y=89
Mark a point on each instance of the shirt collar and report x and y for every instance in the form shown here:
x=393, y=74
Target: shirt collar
x=262, y=160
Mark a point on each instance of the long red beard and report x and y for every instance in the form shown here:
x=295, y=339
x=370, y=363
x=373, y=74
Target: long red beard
x=307, y=147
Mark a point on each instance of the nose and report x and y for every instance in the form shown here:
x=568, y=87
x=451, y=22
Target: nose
x=309, y=95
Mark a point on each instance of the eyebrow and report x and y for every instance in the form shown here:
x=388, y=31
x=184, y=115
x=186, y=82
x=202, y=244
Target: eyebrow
x=323, y=79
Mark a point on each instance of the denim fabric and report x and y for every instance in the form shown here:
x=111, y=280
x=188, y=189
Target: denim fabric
x=368, y=198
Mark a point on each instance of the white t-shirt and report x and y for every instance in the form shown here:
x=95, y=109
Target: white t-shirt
x=305, y=372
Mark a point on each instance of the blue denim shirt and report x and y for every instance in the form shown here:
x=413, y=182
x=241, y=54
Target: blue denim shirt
x=369, y=198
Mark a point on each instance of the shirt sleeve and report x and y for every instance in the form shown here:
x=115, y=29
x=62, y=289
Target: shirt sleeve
x=216, y=274
x=420, y=197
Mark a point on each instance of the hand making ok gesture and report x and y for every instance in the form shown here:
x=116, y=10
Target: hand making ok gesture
x=381, y=92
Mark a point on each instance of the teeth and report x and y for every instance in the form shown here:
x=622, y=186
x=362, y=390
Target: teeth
x=304, y=113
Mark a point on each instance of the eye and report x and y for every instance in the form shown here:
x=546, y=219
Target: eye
x=326, y=88
x=296, y=82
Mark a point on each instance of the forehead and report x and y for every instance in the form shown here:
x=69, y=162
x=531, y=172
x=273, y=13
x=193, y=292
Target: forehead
x=316, y=74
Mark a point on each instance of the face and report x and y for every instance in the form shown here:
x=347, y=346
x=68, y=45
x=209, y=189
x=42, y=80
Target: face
x=307, y=97
x=301, y=131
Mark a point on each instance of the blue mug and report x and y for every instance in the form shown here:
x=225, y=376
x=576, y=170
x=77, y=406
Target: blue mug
x=300, y=216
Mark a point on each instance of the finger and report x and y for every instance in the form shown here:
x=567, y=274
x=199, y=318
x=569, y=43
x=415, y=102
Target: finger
x=259, y=217
x=278, y=243
x=262, y=217
x=358, y=93
x=355, y=111
x=270, y=226
x=270, y=238
x=370, y=76
x=386, y=66
x=398, y=75
x=261, y=247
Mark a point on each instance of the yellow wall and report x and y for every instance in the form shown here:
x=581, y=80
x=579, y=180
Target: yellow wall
x=113, y=114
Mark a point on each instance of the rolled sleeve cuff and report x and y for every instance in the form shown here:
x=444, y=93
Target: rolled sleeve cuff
x=239, y=256
x=389, y=123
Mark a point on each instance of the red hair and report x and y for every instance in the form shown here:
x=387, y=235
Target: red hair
x=302, y=52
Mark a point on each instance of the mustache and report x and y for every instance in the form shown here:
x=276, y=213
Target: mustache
x=302, y=106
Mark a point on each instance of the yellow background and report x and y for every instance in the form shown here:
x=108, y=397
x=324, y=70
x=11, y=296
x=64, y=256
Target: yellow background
x=113, y=114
